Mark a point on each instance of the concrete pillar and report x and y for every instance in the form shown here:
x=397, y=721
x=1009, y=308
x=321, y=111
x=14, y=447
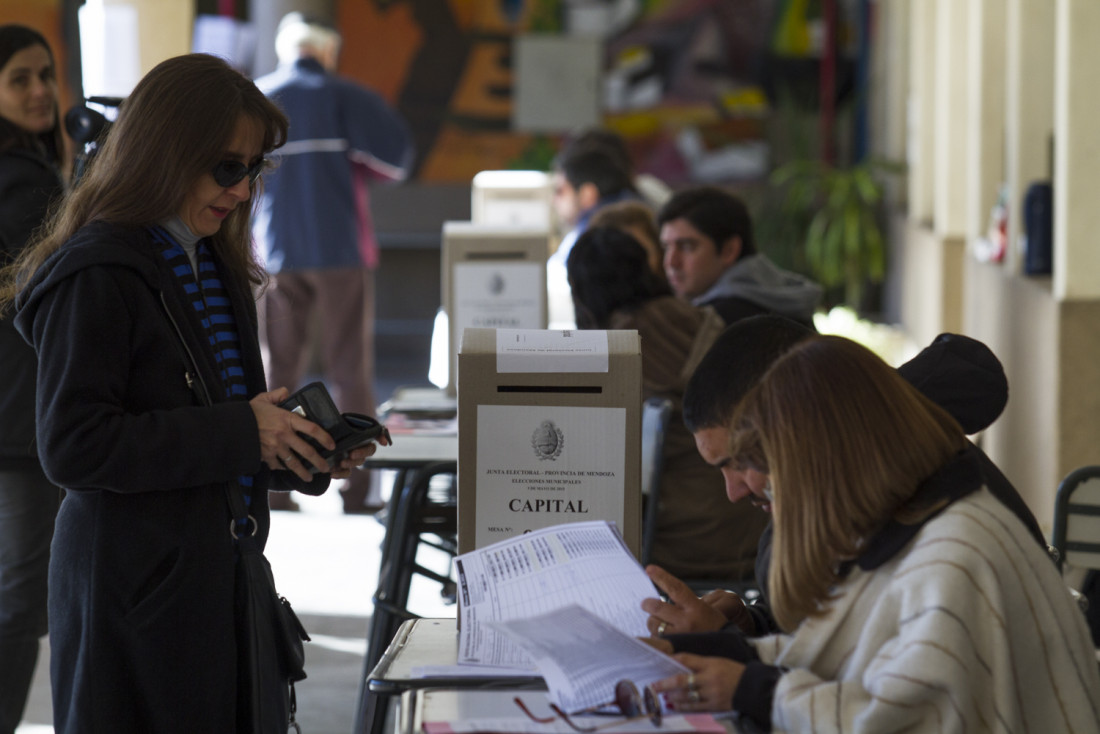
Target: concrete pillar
x=889, y=88
x=921, y=106
x=950, y=101
x=121, y=40
x=1077, y=151
x=1029, y=106
x=985, y=119
x=890, y=79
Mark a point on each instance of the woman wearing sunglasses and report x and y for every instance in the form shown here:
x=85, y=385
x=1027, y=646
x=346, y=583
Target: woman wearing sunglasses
x=151, y=402
x=31, y=166
x=910, y=597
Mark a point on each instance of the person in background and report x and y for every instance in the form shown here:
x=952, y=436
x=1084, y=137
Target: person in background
x=636, y=219
x=32, y=175
x=652, y=190
x=587, y=176
x=699, y=534
x=138, y=299
x=908, y=596
x=314, y=229
x=710, y=258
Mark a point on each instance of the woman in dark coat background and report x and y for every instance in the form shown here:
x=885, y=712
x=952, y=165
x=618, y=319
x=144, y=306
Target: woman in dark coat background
x=139, y=302
x=31, y=156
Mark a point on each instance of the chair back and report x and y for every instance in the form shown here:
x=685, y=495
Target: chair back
x=655, y=417
x=1077, y=519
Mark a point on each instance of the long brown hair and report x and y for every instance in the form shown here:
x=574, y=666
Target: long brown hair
x=171, y=130
x=846, y=442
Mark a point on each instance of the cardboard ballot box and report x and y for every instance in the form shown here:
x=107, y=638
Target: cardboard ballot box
x=514, y=198
x=494, y=276
x=549, y=431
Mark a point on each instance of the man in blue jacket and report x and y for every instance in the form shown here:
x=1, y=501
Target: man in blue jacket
x=314, y=226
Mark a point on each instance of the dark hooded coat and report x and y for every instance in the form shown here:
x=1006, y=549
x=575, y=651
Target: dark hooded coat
x=133, y=422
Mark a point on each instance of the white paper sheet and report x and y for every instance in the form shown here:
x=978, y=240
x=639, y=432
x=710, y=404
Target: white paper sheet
x=543, y=350
x=581, y=656
x=583, y=563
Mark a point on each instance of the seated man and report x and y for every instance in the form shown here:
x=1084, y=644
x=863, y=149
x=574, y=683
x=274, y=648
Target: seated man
x=710, y=258
x=958, y=373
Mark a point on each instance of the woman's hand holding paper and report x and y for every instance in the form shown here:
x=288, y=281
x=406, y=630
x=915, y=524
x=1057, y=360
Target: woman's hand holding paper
x=708, y=687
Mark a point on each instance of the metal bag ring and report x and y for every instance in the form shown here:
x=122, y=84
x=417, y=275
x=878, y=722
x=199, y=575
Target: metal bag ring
x=251, y=521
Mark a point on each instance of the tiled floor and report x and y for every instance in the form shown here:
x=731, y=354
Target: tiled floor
x=326, y=563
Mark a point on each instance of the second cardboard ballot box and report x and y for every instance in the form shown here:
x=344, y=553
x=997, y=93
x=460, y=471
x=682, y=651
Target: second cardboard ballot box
x=493, y=277
x=549, y=431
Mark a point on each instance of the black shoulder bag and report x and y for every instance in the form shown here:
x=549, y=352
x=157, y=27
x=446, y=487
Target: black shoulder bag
x=270, y=654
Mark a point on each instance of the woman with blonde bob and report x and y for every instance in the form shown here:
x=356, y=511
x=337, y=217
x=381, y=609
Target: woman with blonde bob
x=152, y=407
x=911, y=599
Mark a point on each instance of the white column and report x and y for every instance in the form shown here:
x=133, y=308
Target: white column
x=1029, y=106
x=985, y=130
x=950, y=100
x=921, y=106
x=889, y=90
x=121, y=40
x=1077, y=151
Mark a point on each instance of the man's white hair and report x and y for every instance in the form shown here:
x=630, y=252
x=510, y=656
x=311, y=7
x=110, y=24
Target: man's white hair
x=296, y=33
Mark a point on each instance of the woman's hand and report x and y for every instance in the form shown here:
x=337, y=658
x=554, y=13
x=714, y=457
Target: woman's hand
x=279, y=439
x=685, y=612
x=709, y=686
x=357, y=456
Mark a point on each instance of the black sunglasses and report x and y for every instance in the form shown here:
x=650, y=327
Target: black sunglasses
x=630, y=702
x=230, y=173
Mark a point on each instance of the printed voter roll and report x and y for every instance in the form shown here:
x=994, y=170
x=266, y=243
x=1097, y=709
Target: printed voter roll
x=577, y=563
x=581, y=657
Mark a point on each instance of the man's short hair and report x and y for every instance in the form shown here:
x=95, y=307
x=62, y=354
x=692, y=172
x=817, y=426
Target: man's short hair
x=734, y=364
x=299, y=31
x=609, y=141
x=581, y=164
x=713, y=211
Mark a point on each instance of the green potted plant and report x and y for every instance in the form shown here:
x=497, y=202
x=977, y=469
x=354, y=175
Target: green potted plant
x=839, y=208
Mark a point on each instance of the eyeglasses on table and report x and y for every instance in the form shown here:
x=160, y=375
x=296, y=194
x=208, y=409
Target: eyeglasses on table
x=632, y=703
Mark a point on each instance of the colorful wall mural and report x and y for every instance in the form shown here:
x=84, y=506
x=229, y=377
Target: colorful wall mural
x=686, y=82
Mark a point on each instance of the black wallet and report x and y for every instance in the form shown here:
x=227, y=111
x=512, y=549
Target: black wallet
x=348, y=430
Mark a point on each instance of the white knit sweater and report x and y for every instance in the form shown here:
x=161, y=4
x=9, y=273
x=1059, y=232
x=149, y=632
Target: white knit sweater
x=968, y=629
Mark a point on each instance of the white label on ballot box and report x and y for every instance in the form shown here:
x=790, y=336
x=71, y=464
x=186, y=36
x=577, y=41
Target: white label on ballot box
x=543, y=350
x=498, y=296
x=539, y=466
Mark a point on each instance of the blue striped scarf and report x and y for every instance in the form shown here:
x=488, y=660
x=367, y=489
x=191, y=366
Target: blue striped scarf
x=210, y=299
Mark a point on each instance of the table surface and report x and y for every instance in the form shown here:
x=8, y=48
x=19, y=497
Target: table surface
x=411, y=450
x=421, y=705
x=434, y=642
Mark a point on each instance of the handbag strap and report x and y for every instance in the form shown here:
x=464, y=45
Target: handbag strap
x=238, y=511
